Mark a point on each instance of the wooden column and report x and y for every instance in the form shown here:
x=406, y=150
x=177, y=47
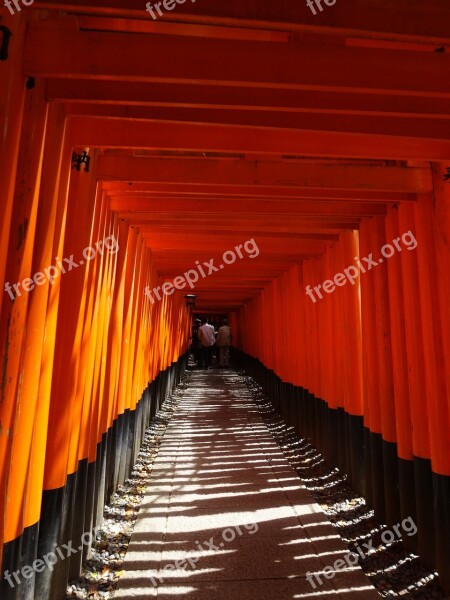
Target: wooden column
x=12, y=99
x=417, y=386
x=20, y=350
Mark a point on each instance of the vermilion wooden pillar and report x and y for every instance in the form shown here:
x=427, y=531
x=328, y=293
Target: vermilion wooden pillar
x=400, y=378
x=138, y=299
x=18, y=407
x=123, y=399
x=308, y=348
x=58, y=496
x=384, y=368
x=434, y=214
x=417, y=386
x=86, y=401
x=12, y=98
x=109, y=358
x=298, y=313
x=351, y=355
x=435, y=227
x=135, y=305
x=51, y=224
x=371, y=383
x=40, y=341
x=328, y=351
x=115, y=337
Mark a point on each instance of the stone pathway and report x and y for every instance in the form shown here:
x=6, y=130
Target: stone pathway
x=225, y=516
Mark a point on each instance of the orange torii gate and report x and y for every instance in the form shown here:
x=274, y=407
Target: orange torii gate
x=131, y=149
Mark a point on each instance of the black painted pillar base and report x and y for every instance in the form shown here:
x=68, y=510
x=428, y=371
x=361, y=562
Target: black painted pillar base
x=441, y=510
x=425, y=509
x=16, y=555
x=70, y=513
x=391, y=483
x=398, y=490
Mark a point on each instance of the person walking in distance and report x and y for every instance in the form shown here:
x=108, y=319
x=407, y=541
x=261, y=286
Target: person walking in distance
x=207, y=340
x=223, y=342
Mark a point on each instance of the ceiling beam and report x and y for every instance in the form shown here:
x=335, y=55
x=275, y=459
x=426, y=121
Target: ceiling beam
x=199, y=232
x=412, y=127
x=131, y=57
x=221, y=207
x=233, y=174
x=163, y=94
x=129, y=134
x=240, y=222
x=249, y=226
x=252, y=192
x=426, y=21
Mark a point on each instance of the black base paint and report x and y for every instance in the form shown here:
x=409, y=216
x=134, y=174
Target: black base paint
x=375, y=456
x=355, y=451
x=79, y=516
x=89, y=504
x=68, y=512
x=441, y=511
x=423, y=477
x=16, y=555
x=395, y=488
x=391, y=483
x=407, y=489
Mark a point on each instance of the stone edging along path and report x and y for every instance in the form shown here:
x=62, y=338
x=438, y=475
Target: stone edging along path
x=103, y=569
x=395, y=572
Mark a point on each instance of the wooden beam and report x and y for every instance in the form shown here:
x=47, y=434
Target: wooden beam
x=249, y=224
x=187, y=190
x=156, y=58
x=153, y=232
x=150, y=26
x=412, y=127
x=239, y=201
x=129, y=134
x=240, y=221
x=132, y=93
x=277, y=194
x=143, y=207
x=268, y=176
x=425, y=21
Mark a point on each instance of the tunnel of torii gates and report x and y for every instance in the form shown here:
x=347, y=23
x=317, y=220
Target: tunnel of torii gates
x=134, y=150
